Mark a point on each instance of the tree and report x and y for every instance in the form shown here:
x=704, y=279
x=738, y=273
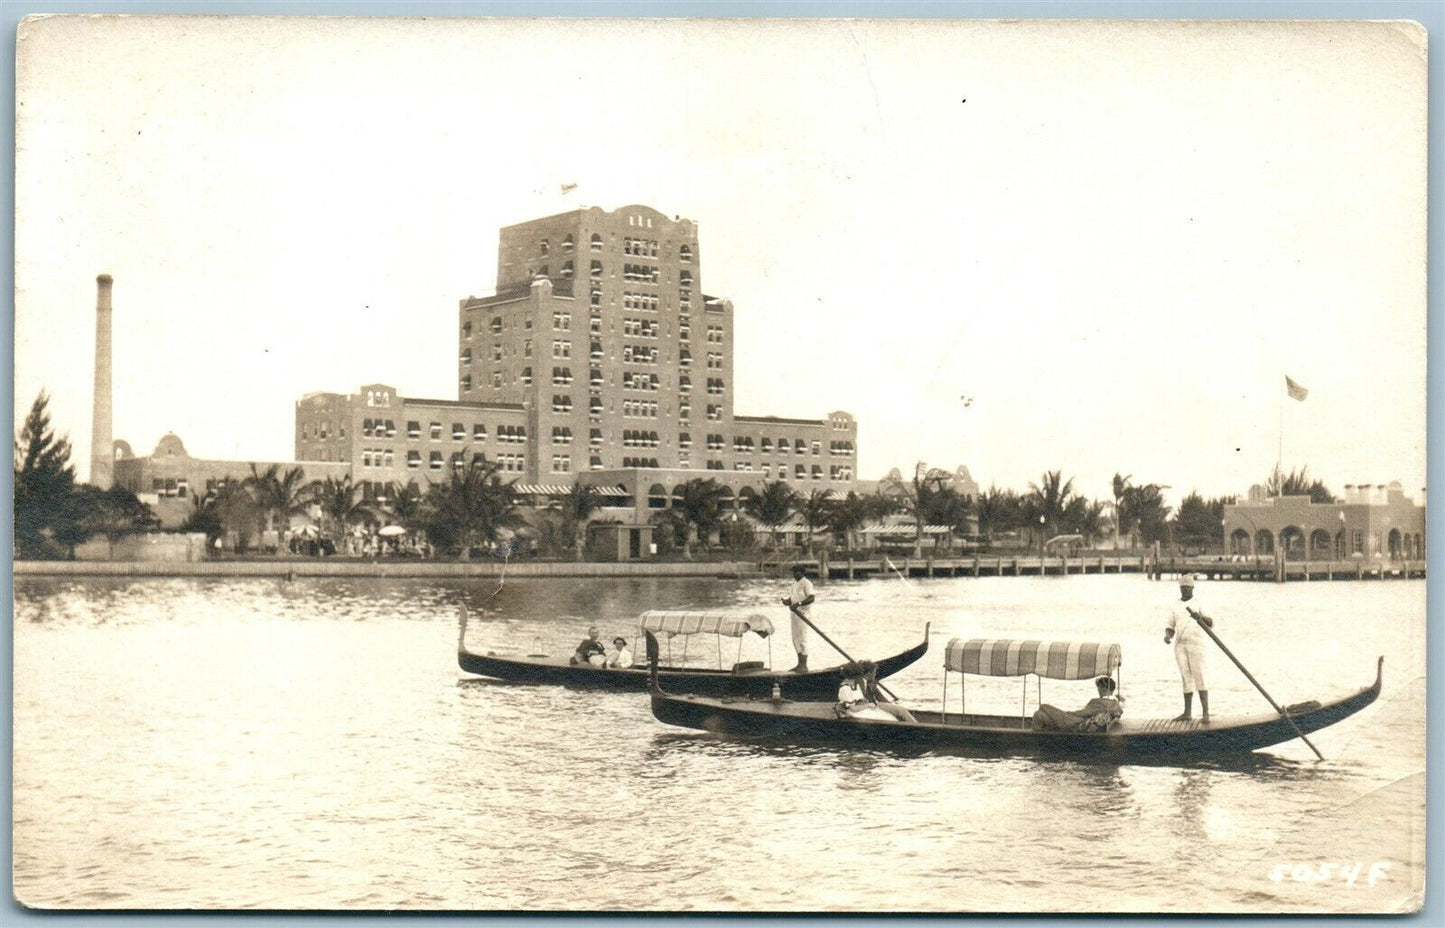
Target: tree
x=471, y=508
x=699, y=507
x=953, y=509
x=1121, y=488
x=91, y=511
x=813, y=509
x=914, y=496
x=1048, y=500
x=405, y=505
x=279, y=495
x=1141, y=514
x=581, y=501
x=846, y=516
x=998, y=511
x=1194, y=525
x=44, y=479
x=341, y=504
x=1298, y=483
x=772, y=507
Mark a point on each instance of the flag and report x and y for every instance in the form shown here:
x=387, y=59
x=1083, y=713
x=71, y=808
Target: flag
x=1296, y=392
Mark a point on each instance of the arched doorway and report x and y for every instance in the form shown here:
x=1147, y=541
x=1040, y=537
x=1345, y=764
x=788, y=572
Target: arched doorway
x=1263, y=542
x=745, y=497
x=1239, y=542
x=1320, y=545
x=1341, y=545
x=1393, y=543
x=657, y=496
x=1292, y=543
x=726, y=501
x=677, y=495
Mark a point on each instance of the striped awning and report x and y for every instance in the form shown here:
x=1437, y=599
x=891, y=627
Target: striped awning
x=899, y=528
x=705, y=623
x=540, y=489
x=1060, y=660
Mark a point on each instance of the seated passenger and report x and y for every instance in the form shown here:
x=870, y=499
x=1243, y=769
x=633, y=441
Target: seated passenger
x=860, y=698
x=623, y=657
x=591, y=651
x=1097, y=715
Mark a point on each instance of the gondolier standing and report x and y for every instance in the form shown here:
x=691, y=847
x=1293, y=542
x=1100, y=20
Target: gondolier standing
x=799, y=598
x=1189, y=642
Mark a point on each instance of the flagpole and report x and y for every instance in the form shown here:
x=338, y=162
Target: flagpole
x=1279, y=460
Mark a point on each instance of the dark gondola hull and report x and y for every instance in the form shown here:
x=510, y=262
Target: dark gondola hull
x=814, y=685
x=1158, y=740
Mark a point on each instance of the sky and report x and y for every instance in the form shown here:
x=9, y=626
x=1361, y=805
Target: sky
x=1117, y=239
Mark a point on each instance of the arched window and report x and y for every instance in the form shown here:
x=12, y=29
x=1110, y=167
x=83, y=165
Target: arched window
x=567, y=271
x=567, y=244
x=596, y=270
x=596, y=242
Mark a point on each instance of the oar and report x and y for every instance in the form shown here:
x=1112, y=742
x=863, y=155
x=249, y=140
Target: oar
x=1230, y=654
x=795, y=611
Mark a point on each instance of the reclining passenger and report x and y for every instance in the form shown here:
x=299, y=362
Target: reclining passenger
x=1098, y=715
x=860, y=698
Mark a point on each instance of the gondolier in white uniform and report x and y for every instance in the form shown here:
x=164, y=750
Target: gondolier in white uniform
x=1189, y=645
x=798, y=600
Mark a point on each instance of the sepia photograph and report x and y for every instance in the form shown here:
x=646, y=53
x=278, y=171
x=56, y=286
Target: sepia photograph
x=1025, y=515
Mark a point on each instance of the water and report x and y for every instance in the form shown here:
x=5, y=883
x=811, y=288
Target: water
x=240, y=743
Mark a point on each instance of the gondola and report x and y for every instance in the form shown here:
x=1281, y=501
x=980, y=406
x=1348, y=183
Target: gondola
x=741, y=679
x=1157, y=740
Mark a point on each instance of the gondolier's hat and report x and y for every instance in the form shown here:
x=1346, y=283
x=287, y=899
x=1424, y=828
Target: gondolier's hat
x=1186, y=581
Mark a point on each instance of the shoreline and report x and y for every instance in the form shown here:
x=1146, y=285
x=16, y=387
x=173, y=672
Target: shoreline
x=280, y=569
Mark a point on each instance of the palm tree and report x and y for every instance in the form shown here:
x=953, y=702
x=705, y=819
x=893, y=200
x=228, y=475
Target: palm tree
x=1142, y=510
x=341, y=503
x=953, y=509
x=1121, y=487
x=1049, y=499
x=405, y=505
x=1298, y=483
x=280, y=495
x=472, y=508
x=581, y=501
x=846, y=516
x=700, y=508
x=814, y=510
x=772, y=507
x=998, y=511
x=913, y=497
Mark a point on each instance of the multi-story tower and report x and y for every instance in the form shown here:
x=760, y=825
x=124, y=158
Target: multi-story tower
x=600, y=328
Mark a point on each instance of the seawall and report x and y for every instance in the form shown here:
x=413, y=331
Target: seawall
x=489, y=567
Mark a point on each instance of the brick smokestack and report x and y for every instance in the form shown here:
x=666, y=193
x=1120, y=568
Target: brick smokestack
x=102, y=458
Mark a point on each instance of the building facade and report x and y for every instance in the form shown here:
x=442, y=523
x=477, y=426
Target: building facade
x=172, y=482
x=598, y=354
x=1373, y=521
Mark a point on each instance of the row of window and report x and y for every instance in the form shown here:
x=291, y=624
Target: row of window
x=632, y=300
x=715, y=334
x=378, y=457
x=640, y=381
x=640, y=328
x=638, y=354
x=632, y=438
x=641, y=409
x=637, y=273
x=715, y=386
x=640, y=247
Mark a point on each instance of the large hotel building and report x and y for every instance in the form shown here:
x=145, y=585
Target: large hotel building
x=599, y=358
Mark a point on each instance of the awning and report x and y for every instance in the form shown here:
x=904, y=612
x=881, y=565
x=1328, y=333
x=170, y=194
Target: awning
x=705, y=623
x=543, y=489
x=1060, y=660
x=901, y=529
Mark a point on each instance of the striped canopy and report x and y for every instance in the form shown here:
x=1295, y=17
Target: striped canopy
x=705, y=623
x=1060, y=660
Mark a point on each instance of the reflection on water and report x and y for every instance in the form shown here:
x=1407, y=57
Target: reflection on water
x=245, y=743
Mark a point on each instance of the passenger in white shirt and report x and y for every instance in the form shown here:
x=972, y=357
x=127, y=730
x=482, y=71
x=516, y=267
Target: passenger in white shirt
x=623, y=657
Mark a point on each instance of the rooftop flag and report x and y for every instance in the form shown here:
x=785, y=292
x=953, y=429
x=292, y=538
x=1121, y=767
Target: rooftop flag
x=1296, y=392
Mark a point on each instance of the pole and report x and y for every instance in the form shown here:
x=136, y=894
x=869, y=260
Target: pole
x=1230, y=654
x=796, y=612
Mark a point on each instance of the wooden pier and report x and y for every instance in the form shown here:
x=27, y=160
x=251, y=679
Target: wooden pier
x=862, y=567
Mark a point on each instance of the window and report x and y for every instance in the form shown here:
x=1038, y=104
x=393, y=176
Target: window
x=436, y=460
x=479, y=432
x=567, y=271
x=595, y=462
x=458, y=460
x=542, y=247
x=436, y=431
x=561, y=349
x=567, y=244
x=527, y=348
x=526, y=376
x=714, y=361
x=596, y=242
x=801, y=472
x=561, y=435
x=596, y=270
x=561, y=403
x=496, y=379
x=562, y=322
x=413, y=459
x=594, y=376
x=561, y=463
x=715, y=386
x=714, y=443
x=684, y=253
x=817, y=471
x=496, y=325
x=715, y=334
x=596, y=295
x=466, y=330
x=497, y=352
x=390, y=429
x=413, y=430
x=465, y=382
x=684, y=411
x=684, y=383
x=684, y=440
x=594, y=438
x=459, y=432
x=817, y=447
x=714, y=413
x=799, y=446
x=595, y=325
x=561, y=376
x=767, y=446
x=684, y=278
